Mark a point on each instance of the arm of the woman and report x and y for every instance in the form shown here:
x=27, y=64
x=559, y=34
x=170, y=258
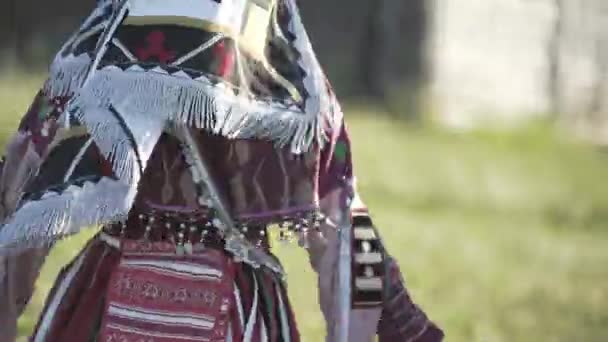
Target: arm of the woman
x=394, y=316
x=324, y=254
x=23, y=157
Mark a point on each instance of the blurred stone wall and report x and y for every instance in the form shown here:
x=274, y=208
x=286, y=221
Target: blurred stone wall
x=490, y=59
x=504, y=60
x=581, y=72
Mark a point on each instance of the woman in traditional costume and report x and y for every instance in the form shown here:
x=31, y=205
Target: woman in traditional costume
x=185, y=129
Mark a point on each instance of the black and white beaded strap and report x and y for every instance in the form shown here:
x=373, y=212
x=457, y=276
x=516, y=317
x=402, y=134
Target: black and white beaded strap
x=367, y=264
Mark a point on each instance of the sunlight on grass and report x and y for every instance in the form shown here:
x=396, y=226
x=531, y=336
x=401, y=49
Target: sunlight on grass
x=501, y=236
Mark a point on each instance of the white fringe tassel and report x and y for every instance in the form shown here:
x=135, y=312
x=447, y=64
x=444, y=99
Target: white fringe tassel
x=66, y=75
x=198, y=103
x=116, y=145
x=112, y=142
x=315, y=80
x=55, y=216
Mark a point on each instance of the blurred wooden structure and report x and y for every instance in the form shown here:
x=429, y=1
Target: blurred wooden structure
x=505, y=61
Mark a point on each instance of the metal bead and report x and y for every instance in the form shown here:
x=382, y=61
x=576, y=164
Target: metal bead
x=262, y=232
x=182, y=226
x=193, y=229
x=245, y=229
x=152, y=219
x=189, y=248
x=366, y=246
x=141, y=216
x=303, y=242
x=369, y=272
x=168, y=225
x=148, y=229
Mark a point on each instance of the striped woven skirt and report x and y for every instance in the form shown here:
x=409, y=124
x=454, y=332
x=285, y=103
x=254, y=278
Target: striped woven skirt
x=146, y=292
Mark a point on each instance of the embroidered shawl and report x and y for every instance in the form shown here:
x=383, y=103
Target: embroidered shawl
x=137, y=70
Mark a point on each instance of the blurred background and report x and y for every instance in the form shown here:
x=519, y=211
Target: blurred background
x=480, y=131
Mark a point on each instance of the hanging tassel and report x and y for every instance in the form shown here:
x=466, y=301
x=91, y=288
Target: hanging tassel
x=199, y=103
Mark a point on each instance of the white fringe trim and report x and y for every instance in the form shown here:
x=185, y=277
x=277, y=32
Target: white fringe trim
x=55, y=216
x=97, y=13
x=66, y=75
x=315, y=81
x=253, y=314
x=112, y=142
x=116, y=145
x=200, y=104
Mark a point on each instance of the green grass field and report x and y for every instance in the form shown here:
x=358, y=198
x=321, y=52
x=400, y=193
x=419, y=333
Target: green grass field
x=501, y=236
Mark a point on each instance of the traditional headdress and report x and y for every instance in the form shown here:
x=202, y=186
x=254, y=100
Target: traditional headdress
x=242, y=69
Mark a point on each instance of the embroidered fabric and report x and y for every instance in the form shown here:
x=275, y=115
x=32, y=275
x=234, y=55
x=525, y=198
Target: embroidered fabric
x=242, y=69
x=139, y=292
x=138, y=68
x=166, y=298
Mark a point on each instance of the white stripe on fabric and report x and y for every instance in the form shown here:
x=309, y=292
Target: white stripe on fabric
x=110, y=240
x=229, y=335
x=161, y=317
x=253, y=314
x=178, y=267
x=104, y=39
x=95, y=29
x=263, y=332
x=57, y=299
x=124, y=49
x=286, y=331
x=239, y=306
x=165, y=313
x=97, y=13
x=199, y=49
x=77, y=160
x=368, y=258
x=368, y=284
x=228, y=14
x=156, y=333
x=181, y=275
